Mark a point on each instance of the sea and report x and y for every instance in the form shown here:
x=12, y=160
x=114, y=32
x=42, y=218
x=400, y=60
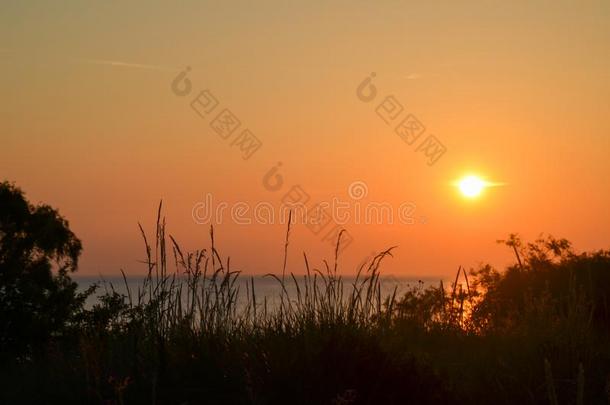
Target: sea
x=266, y=288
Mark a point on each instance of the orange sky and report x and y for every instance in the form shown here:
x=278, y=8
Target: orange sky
x=518, y=93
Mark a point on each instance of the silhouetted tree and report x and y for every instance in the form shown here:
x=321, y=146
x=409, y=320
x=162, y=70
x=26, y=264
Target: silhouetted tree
x=37, y=253
x=550, y=283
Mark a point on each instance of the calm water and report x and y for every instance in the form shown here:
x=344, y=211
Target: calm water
x=264, y=287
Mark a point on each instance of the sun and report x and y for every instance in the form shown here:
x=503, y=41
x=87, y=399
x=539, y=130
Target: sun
x=471, y=186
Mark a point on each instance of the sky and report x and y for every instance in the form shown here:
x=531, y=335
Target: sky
x=96, y=121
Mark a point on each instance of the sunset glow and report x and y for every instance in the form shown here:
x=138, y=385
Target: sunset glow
x=315, y=202
x=100, y=102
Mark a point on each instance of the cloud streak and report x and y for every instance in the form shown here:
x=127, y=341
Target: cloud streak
x=413, y=76
x=105, y=62
x=116, y=63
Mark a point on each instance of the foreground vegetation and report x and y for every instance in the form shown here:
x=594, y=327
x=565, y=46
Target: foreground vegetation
x=537, y=332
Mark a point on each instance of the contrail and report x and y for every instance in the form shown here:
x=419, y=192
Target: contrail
x=115, y=63
x=127, y=64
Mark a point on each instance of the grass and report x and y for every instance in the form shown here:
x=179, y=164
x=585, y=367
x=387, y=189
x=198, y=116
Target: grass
x=536, y=333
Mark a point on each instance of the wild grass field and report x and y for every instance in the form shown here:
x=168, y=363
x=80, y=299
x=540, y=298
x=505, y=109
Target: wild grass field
x=537, y=332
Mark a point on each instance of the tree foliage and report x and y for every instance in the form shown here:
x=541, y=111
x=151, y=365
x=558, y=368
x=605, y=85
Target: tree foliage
x=38, y=251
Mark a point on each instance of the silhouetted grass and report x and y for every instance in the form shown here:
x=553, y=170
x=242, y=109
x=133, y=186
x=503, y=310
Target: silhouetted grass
x=536, y=333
